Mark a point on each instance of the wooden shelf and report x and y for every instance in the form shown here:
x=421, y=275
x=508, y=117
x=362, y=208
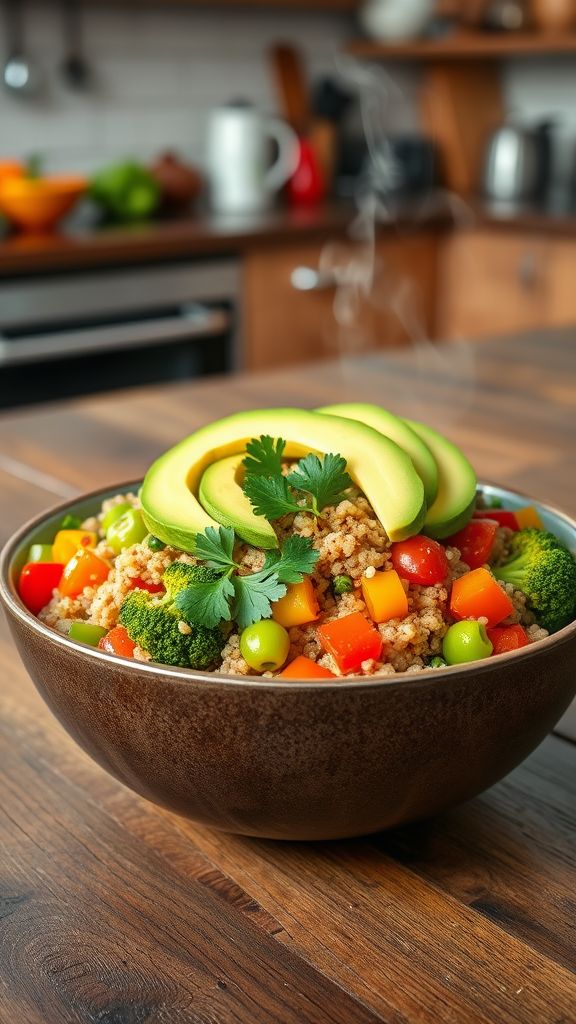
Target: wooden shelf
x=468, y=46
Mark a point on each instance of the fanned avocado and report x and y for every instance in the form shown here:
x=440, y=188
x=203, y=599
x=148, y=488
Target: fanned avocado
x=456, y=484
x=222, y=497
x=397, y=430
x=380, y=468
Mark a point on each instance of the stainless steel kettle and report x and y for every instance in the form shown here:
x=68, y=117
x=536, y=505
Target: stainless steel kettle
x=517, y=163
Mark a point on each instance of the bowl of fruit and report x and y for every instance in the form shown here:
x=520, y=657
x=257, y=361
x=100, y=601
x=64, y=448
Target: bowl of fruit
x=301, y=625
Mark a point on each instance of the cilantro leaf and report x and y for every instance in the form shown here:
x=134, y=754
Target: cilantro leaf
x=264, y=456
x=252, y=596
x=206, y=603
x=216, y=547
x=326, y=480
x=270, y=496
x=296, y=559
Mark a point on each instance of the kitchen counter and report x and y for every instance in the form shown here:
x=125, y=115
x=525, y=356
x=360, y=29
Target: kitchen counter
x=202, y=235
x=212, y=235
x=113, y=909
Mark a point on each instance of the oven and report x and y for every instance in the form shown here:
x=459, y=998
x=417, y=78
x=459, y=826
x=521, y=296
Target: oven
x=80, y=332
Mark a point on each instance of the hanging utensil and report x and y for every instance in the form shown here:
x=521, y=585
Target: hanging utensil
x=75, y=69
x=20, y=75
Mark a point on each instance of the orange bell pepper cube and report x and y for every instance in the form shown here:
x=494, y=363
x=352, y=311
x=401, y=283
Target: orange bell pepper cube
x=305, y=668
x=85, y=569
x=67, y=542
x=385, y=596
x=298, y=606
x=350, y=640
x=117, y=641
x=507, y=638
x=478, y=595
x=528, y=516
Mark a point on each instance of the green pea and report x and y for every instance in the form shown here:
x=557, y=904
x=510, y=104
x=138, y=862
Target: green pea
x=154, y=543
x=437, y=662
x=494, y=503
x=71, y=522
x=40, y=553
x=86, y=633
x=342, y=584
x=114, y=513
x=466, y=641
x=127, y=530
x=265, y=645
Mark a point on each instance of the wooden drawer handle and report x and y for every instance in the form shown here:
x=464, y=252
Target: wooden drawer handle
x=528, y=271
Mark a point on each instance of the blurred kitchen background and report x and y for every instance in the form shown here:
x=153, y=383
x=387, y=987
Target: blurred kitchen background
x=191, y=188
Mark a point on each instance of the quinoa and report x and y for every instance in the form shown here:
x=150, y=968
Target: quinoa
x=349, y=540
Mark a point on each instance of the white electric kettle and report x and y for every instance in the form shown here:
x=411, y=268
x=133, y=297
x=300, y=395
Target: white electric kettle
x=239, y=171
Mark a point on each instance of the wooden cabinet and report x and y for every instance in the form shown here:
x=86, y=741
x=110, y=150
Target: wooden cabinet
x=496, y=282
x=310, y=300
x=561, y=290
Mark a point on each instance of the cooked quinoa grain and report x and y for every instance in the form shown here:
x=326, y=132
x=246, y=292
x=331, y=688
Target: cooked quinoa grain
x=350, y=542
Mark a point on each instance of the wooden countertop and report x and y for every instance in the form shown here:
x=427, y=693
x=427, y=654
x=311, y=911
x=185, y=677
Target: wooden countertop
x=113, y=910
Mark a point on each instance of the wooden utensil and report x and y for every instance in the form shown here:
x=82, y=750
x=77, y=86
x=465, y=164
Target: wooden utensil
x=292, y=87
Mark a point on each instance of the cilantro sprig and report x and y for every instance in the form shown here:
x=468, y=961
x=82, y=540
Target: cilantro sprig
x=311, y=486
x=264, y=456
x=243, y=599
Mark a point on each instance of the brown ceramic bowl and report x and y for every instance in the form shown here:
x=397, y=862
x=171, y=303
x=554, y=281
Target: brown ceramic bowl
x=289, y=759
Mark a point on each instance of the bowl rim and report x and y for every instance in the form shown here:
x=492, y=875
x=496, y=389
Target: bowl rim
x=192, y=677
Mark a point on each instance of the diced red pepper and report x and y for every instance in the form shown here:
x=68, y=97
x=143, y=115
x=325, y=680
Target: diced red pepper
x=475, y=541
x=117, y=641
x=36, y=583
x=507, y=638
x=153, y=588
x=502, y=516
x=350, y=640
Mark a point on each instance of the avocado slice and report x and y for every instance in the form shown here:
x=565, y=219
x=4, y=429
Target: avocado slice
x=397, y=430
x=378, y=467
x=456, y=484
x=222, y=497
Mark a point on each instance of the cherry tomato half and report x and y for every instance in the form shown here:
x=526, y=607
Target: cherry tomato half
x=36, y=583
x=420, y=560
x=475, y=541
x=507, y=638
x=502, y=516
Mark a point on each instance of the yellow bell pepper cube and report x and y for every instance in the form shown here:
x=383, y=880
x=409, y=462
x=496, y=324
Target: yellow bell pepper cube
x=298, y=606
x=385, y=596
x=67, y=542
x=528, y=516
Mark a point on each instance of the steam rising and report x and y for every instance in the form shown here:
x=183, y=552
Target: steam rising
x=364, y=283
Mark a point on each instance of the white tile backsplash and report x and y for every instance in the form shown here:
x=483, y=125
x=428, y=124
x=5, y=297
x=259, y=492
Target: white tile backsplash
x=157, y=73
x=159, y=70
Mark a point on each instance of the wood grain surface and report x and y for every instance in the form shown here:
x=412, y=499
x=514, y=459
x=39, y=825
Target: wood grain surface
x=113, y=911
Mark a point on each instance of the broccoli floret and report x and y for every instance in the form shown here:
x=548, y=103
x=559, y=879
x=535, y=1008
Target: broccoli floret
x=152, y=622
x=543, y=569
x=179, y=575
x=532, y=539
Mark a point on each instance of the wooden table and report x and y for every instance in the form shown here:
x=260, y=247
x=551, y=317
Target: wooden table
x=113, y=911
